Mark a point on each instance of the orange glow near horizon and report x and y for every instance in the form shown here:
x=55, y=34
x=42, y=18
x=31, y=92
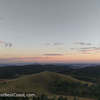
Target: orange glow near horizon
x=22, y=55
x=68, y=58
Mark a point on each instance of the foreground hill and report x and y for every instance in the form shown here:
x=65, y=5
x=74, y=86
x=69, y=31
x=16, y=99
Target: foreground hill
x=44, y=82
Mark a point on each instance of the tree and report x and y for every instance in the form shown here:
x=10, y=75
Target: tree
x=75, y=98
x=43, y=97
x=61, y=98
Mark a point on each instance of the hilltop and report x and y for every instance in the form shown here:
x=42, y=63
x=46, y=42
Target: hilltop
x=44, y=82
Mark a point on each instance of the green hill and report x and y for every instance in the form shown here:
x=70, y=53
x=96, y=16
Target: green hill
x=44, y=82
x=91, y=74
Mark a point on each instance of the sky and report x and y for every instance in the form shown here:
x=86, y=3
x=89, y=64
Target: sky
x=49, y=31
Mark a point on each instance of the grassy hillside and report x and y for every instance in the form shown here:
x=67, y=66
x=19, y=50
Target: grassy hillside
x=91, y=74
x=88, y=74
x=44, y=82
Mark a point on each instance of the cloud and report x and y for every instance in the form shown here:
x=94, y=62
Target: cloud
x=14, y=59
x=47, y=44
x=87, y=50
x=27, y=59
x=54, y=44
x=6, y=44
x=53, y=54
x=58, y=43
x=83, y=43
x=90, y=48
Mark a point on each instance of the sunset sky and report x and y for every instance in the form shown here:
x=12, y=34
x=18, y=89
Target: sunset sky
x=49, y=31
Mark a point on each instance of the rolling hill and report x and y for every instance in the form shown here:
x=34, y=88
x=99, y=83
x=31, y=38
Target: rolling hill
x=91, y=74
x=44, y=82
x=11, y=72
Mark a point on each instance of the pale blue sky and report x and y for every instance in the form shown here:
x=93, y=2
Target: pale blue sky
x=33, y=23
